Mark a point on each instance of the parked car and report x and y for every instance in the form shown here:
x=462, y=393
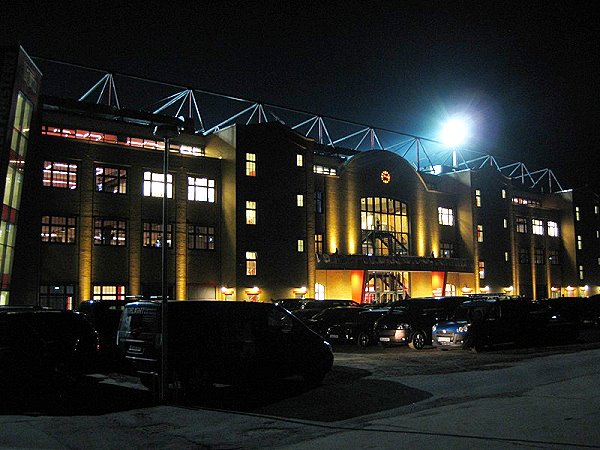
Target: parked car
x=291, y=304
x=360, y=330
x=478, y=324
x=105, y=316
x=410, y=321
x=326, y=318
x=222, y=342
x=584, y=309
x=42, y=347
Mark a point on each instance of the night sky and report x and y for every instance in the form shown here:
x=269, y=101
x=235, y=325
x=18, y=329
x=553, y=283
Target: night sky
x=526, y=73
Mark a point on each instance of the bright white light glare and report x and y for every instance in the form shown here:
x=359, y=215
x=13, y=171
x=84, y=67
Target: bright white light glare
x=454, y=132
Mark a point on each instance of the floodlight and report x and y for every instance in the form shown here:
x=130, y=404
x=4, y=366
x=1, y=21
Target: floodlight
x=454, y=132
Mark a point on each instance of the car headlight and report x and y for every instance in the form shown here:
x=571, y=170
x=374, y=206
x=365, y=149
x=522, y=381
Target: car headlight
x=463, y=329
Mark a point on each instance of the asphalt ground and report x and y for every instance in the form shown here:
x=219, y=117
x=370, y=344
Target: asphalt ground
x=356, y=386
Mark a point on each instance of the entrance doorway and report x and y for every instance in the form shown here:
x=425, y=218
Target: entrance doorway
x=386, y=287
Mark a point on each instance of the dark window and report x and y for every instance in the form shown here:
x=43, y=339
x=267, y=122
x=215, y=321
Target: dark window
x=446, y=250
x=201, y=237
x=523, y=255
x=110, y=232
x=153, y=235
x=538, y=255
x=59, y=229
x=319, y=202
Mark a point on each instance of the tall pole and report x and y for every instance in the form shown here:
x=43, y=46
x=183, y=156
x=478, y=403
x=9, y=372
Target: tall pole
x=166, y=132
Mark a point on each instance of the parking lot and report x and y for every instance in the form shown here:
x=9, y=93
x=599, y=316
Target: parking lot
x=359, y=384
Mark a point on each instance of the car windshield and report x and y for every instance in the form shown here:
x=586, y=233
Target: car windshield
x=468, y=313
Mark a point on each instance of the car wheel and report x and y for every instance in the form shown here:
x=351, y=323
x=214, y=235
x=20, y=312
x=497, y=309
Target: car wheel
x=417, y=341
x=363, y=340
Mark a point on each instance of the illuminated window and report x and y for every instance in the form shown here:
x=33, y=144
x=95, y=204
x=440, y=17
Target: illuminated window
x=111, y=180
x=581, y=272
x=154, y=185
x=538, y=256
x=153, y=235
x=481, y=268
x=251, y=263
x=109, y=292
x=537, y=226
x=324, y=170
x=250, y=164
x=201, y=237
x=250, y=213
x=60, y=175
x=479, y=233
x=388, y=217
x=577, y=216
x=319, y=291
x=596, y=209
x=552, y=229
x=579, y=242
x=300, y=245
x=445, y=216
x=446, y=249
x=318, y=243
x=299, y=160
x=57, y=229
x=477, y=198
x=506, y=256
x=503, y=193
x=521, y=223
x=201, y=189
x=110, y=232
x=505, y=223
x=299, y=200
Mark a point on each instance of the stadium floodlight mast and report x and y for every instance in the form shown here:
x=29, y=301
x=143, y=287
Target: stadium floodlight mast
x=454, y=133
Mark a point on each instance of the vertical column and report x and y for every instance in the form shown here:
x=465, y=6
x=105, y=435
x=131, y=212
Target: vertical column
x=181, y=235
x=85, y=175
x=135, y=179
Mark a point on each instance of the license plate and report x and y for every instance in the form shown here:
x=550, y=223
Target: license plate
x=135, y=349
x=333, y=336
x=384, y=339
x=443, y=339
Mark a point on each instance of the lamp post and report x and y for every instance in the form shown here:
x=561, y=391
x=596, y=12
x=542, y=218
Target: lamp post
x=166, y=132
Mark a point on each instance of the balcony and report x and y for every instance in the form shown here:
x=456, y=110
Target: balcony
x=333, y=261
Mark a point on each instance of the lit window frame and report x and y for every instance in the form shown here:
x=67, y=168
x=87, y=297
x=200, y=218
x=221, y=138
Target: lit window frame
x=154, y=185
x=251, y=263
x=201, y=189
x=250, y=164
x=251, y=212
x=60, y=174
x=446, y=216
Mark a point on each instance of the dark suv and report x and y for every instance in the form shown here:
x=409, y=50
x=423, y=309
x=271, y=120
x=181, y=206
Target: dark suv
x=222, y=342
x=410, y=321
x=43, y=347
x=358, y=329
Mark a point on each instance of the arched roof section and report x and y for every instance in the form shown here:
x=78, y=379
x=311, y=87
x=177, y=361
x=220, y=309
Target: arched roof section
x=366, y=169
